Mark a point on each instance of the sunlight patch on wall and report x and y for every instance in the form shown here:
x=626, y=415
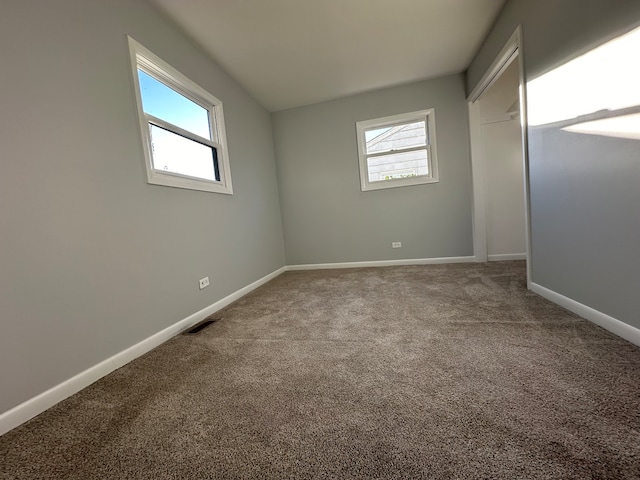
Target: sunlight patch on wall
x=602, y=80
x=625, y=126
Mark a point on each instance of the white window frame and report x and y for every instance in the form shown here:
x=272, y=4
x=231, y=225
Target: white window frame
x=145, y=60
x=428, y=116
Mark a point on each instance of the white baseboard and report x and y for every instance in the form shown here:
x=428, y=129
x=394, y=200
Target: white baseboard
x=38, y=404
x=506, y=256
x=381, y=263
x=624, y=330
x=29, y=409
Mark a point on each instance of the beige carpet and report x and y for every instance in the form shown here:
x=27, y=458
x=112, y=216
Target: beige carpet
x=442, y=372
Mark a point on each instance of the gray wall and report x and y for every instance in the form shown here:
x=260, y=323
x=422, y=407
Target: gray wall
x=93, y=259
x=585, y=199
x=328, y=219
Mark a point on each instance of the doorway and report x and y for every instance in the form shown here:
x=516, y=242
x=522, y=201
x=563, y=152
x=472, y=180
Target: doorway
x=499, y=161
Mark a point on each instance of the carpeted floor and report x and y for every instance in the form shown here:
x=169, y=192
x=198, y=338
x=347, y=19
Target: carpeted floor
x=441, y=372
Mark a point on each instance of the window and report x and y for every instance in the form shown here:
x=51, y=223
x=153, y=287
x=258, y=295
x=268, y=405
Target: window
x=182, y=127
x=397, y=151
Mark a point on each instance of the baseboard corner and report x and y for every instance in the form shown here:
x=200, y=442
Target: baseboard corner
x=613, y=325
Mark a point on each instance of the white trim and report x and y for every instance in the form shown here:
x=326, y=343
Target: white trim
x=381, y=263
x=141, y=57
x=512, y=51
x=38, y=404
x=498, y=66
x=506, y=256
x=524, y=129
x=624, y=330
x=158, y=122
x=479, y=222
x=428, y=117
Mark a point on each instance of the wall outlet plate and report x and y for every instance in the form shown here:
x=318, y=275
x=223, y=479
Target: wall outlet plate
x=396, y=244
x=204, y=282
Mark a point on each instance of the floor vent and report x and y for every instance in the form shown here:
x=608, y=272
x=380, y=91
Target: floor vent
x=200, y=326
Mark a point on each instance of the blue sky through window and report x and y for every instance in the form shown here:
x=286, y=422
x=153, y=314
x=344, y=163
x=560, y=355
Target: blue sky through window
x=167, y=104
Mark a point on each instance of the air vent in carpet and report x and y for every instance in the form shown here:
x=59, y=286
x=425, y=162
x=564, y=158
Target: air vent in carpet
x=199, y=326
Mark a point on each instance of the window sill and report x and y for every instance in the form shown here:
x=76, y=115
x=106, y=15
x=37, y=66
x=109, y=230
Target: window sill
x=403, y=182
x=178, y=181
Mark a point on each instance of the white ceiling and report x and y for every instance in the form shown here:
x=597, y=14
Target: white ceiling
x=288, y=53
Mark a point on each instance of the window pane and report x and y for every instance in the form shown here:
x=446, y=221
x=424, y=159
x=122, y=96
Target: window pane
x=395, y=138
x=177, y=154
x=167, y=104
x=398, y=165
x=371, y=134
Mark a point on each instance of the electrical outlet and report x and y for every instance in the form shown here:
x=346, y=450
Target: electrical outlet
x=396, y=244
x=204, y=282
